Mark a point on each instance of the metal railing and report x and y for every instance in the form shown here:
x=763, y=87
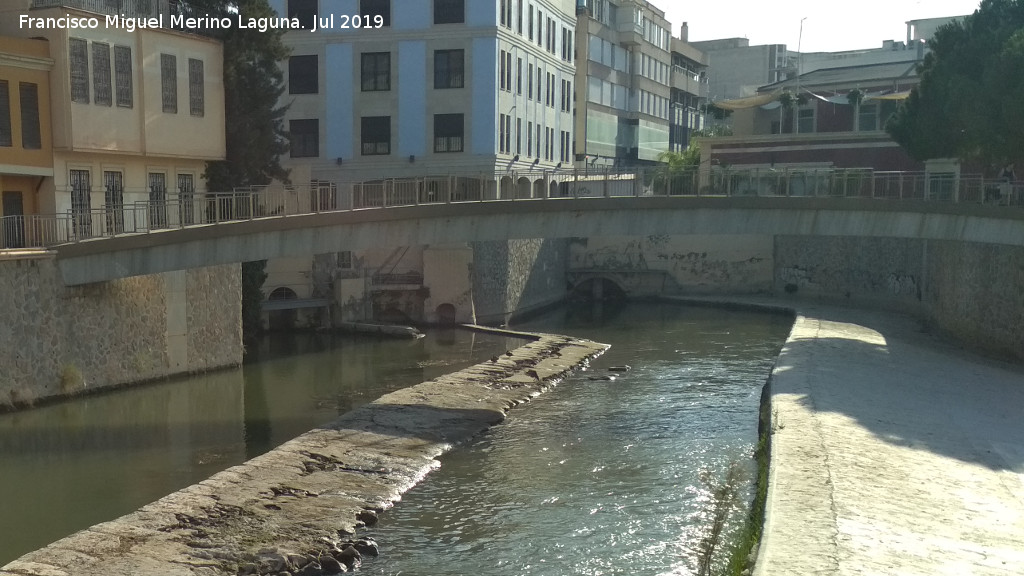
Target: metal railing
x=177, y=211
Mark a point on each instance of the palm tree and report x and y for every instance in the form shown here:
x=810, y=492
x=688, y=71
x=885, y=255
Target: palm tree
x=678, y=174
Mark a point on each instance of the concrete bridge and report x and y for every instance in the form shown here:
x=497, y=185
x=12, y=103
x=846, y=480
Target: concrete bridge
x=459, y=222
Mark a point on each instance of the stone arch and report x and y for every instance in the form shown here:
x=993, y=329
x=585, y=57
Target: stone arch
x=523, y=187
x=446, y=314
x=553, y=189
x=598, y=287
x=283, y=319
x=538, y=188
x=507, y=189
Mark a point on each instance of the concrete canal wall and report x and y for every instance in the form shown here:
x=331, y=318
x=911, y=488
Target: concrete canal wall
x=68, y=340
x=973, y=292
x=295, y=509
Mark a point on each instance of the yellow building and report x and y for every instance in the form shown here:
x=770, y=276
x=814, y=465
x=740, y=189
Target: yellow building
x=136, y=115
x=26, y=150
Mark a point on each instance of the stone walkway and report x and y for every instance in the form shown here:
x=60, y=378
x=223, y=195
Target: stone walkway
x=894, y=452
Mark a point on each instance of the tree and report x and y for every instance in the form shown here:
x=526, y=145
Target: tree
x=254, y=133
x=970, y=102
x=253, y=85
x=678, y=173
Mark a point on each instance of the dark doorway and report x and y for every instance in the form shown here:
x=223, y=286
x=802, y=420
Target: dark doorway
x=283, y=319
x=446, y=315
x=13, y=221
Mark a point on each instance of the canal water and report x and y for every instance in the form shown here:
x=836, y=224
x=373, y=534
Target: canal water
x=594, y=477
x=599, y=477
x=67, y=466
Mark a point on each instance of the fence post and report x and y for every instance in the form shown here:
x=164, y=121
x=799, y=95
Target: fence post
x=605, y=184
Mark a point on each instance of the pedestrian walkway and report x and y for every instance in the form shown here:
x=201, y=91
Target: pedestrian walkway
x=893, y=452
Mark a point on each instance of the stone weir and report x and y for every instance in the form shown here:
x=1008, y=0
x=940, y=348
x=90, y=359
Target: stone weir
x=296, y=509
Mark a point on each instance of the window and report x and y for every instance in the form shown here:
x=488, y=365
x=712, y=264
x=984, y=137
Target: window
x=529, y=82
x=449, y=69
x=345, y=259
x=449, y=11
x=551, y=91
x=501, y=71
x=529, y=139
x=6, y=131
x=305, y=138
x=530, y=25
x=519, y=136
x=79, y=65
x=540, y=81
x=506, y=13
x=123, y=76
x=186, y=197
x=169, y=83
x=448, y=132
x=505, y=134
x=519, y=76
x=519, y=17
x=304, y=10
x=540, y=28
x=81, y=202
x=376, y=135
x=196, y=88
x=303, y=75
x=376, y=72
x=101, y=74
x=805, y=120
x=157, y=200
x=505, y=71
x=113, y=201
x=31, y=138
x=373, y=8
x=867, y=119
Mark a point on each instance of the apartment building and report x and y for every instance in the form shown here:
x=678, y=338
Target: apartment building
x=623, y=79
x=478, y=90
x=135, y=114
x=689, y=90
x=26, y=151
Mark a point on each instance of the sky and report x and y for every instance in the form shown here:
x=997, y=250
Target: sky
x=830, y=26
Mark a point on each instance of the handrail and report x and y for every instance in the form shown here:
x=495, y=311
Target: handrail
x=175, y=211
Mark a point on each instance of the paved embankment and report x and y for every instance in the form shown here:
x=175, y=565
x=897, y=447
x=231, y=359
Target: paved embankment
x=295, y=508
x=892, y=453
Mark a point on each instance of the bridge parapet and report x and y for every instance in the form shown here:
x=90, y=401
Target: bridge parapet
x=185, y=211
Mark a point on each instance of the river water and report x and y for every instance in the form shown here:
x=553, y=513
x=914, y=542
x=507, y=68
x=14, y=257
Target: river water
x=598, y=477
x=594, y=477
x=67, y=466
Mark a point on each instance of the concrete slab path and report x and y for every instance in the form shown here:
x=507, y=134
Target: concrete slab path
x=893, y=452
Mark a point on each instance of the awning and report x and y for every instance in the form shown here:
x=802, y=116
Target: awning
x=892, y=96
x=748, y=102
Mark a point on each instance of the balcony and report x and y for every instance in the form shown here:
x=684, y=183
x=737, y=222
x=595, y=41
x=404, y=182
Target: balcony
x=684, y=80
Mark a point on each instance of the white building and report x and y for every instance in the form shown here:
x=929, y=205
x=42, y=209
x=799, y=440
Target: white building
x=479, y=89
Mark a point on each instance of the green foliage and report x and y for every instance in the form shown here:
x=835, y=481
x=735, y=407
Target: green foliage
x=855, y=97
x=713, y=131
x=253, y=84
x=253, y=276
x=969, y=103
x=677, y=174
x=724, y=499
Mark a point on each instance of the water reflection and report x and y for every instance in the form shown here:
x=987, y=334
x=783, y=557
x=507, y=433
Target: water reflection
x=64, y=467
